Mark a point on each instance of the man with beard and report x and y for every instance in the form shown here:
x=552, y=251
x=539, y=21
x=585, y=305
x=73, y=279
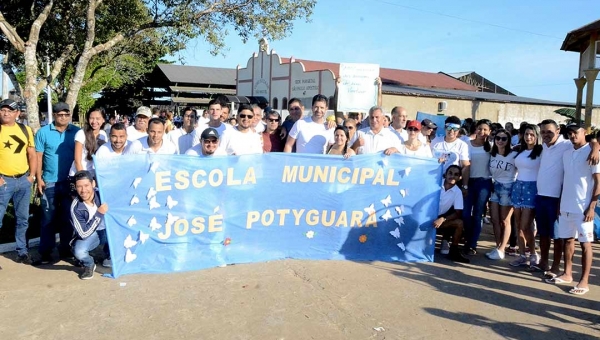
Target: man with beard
x=310, y=135
x=118, y=142
x=154, y=143
x=209, y=145
x=242, y=139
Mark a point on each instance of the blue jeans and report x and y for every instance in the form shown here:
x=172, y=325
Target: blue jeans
x=477, y=196
x=56, y=202
x=19, y=190
x=82, y=248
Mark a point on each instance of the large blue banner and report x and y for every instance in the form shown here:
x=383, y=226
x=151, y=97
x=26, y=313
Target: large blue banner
x=178, y=213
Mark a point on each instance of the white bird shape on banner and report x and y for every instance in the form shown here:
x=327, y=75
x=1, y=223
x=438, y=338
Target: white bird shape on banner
x=134, y=200
x=143, y=237
x=403, y=192
x=154, y=166
x=407, y=171
x=384, y=162
x=398, y=210
x=129, y=242
x=171, y=202
x=401, y=246
x=151, y=193
x=131, y=221
x=216, y=209
x=153, y=204
x=399, y=220
x=129, y=256
x=171, y=219
x=136, y=182
x=154, y=225
x=395, y=233
x=387, y=201
x=370, y=209
x=387, y=215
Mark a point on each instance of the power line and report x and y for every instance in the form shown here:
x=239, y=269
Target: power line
x=467, y=20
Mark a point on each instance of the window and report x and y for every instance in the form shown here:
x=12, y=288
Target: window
x=275, y=103
x=284, y=103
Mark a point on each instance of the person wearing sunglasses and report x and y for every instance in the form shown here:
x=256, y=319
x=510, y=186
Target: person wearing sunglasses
x=451, y=150
x=504, y=173
x=413, y=145
x=428, y=129
x=296, y=111
x=242, y=139
x=271, y=137
x=209, y=145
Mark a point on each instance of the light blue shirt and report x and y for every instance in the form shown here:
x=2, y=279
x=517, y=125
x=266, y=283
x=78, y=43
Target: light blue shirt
x=58, y=150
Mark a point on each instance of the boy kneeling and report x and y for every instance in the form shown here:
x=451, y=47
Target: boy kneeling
x=450, y=212
x=87, y=219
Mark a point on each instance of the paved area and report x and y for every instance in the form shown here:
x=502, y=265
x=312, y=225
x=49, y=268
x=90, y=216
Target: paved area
x=295, y=299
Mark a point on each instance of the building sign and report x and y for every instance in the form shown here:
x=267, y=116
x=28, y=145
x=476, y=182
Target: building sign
x=261, y=88
x=305, y=85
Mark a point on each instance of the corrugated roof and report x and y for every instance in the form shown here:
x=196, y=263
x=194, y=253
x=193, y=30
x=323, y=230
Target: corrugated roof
x=198, y=75
x=578, y=38
x=401, y=77
x=468, y=95
x=459, y=74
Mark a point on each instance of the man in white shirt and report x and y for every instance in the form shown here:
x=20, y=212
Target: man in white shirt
x=376, y=138
x=398, y=127
x=183, y=138
x=257, y=124
x=154, y=143
x=214, y=121
x=242, y=140
x=116, y=146
x=139, y=128
x=310, y=135
x=580, y=193
x=451, y=150
x=209, y=145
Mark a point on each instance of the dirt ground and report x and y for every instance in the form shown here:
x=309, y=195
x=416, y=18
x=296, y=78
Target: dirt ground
x=296, y=299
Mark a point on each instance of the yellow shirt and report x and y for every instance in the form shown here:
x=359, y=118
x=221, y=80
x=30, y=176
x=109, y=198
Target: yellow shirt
x=13, y=149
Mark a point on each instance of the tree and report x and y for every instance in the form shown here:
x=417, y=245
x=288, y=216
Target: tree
x=77, y=32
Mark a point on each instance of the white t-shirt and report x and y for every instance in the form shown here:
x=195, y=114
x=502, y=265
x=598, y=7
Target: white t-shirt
x=503, y=169
x=311, y=137
x=92, y=208
x=402, y=135
x=141, y=146
x=422, y=138
x=106, y=151
x=201, y=127
x=234, y=142
x=578, y=181
x=453, y=152
x=514, y=140
x=550, y=175
x=260, y=127
x=86, y=165
x=196, y=150
x=133, y=134
x=423, y=151
x=450, y=198
x=379, y=142
x=527, y=168
x=480, y=162
x=181, y=139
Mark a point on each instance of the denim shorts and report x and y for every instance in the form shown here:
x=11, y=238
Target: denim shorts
x=523, y=194
x=501, y=194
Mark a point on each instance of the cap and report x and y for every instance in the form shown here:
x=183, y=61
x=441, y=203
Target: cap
x=429, y=124
x=574, y=126
x=60, y=106
x=208, y=133
x=143, y=111
x=414, y=123
x=9, y=102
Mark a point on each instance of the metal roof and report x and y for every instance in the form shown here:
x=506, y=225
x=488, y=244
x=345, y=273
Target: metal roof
x=468, y=95
x=198, y=75
x=577, y=40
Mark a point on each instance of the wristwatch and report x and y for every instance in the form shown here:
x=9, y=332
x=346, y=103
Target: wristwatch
x=466, y=187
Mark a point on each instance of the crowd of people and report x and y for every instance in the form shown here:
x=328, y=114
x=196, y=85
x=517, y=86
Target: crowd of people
x=540, y=180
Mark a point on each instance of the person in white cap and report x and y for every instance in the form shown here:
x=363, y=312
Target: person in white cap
x=139, y=128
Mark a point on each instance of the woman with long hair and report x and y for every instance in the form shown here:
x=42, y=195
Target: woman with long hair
x=504, y=173
x=340, y=146
x=479, y=184
x=88, y=140
x=413, y=146
x=524, y=191
x=169, y=126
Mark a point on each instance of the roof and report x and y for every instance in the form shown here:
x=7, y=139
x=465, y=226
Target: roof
x=394, y=76
x=468, y=95
x=483, y=84
x=198, y=74
x=577, y=40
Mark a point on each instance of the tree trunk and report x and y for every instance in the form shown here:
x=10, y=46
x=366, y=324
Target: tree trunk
x=30, y=93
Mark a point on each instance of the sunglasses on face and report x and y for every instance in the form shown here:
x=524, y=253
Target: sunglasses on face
x=451, y=128
x=210, y=141
x=349, y=127
x=245, y=116
x=294, y=108
x=63, y=115
x=504, y=139
x=414, y=129
x=273, y=120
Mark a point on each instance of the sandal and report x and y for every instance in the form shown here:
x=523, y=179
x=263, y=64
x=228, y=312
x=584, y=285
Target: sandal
x=579, y=290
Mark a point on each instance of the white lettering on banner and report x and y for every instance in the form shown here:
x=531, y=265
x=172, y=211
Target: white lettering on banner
x=357, y=90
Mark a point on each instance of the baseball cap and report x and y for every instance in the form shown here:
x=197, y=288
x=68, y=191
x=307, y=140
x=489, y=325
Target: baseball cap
x=414, y=123
x=60, y=106
x=208, y=133
x=574, y=127
x=429, y=124
x=8, y=102
x=143, y=111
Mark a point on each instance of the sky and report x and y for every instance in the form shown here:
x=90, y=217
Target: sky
x=515, y=44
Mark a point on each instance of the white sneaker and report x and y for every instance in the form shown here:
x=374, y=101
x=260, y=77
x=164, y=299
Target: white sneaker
x=486, y=220
x=496, y=255
x=445, y=248
x=107, y=263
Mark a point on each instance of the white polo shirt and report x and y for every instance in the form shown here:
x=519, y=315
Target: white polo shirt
x=378, y=142
x=311, y=137
x=578, y=182
x=450, y=198
x=201, y=127
x=141, y=146
x=181, y=139
x=550, y=174
x=402, y=135
x=106, y=151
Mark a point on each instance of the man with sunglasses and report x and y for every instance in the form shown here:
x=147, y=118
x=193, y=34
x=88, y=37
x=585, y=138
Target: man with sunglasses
x=450, y=150
x=214, y=121
x=311, y=135
x=271, y=137
x=242, y=139
x=55, y=149
x=183, y=138
x=209, y=145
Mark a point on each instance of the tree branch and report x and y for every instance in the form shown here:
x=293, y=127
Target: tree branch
x=56, y=67
x=34, y=33
x=11, y=34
